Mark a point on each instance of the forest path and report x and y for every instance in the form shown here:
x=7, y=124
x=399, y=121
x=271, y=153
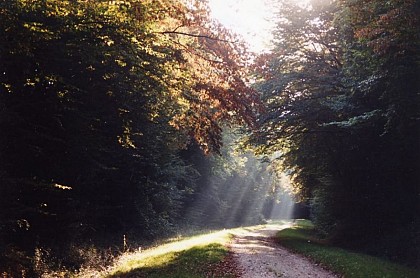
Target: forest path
x=257, y=255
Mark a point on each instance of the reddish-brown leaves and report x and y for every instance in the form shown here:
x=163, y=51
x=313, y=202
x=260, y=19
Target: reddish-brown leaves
x=214, y=62
x=391, y=29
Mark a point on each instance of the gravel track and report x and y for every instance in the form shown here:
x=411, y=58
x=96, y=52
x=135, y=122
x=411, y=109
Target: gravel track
x=257, y=255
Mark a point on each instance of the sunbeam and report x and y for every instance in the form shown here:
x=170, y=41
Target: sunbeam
x=245, y=191
x=284, y=205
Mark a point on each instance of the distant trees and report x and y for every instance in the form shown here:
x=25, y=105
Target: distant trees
x=234, y=188
x=97, y=99
x=340, y=89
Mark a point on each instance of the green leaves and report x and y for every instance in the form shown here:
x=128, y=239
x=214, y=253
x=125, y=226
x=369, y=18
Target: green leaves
x=338, y=88
x=101, y=97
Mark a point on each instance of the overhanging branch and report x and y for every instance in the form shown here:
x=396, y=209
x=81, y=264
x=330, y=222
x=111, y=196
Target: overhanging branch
x=194, y=35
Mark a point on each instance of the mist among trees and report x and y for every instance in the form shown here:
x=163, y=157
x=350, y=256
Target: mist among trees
x=137, y=120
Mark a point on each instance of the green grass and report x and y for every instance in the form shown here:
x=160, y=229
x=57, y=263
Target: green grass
x=191, y=257
x=301, y=239
x=194, y=262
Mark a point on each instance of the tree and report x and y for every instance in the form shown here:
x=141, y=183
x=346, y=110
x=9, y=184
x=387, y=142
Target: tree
x=97, y=100
x=235, y=188
x=339, y=87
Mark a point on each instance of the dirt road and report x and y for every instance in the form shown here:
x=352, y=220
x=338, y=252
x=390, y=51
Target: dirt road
x=257, y=255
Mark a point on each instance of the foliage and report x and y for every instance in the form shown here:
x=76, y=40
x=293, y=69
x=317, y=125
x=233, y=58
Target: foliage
x=97, y=99
x=235, y=188
x=302, y=239
x=342, y=117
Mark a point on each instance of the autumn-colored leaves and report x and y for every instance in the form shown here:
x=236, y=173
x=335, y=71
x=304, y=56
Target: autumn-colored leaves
x=215, y=91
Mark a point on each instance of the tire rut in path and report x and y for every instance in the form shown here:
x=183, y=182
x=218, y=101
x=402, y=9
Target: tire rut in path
x=257, y=255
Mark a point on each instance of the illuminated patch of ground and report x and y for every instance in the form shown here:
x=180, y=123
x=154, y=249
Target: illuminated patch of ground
x=190, y=257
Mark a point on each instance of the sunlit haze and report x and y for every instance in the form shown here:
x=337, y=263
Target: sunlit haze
x=248, y=18
x=252, y=19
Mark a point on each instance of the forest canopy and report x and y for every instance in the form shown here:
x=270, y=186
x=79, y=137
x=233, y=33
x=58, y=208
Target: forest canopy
x=102, y=104
x=137, y=119
x=341, y=96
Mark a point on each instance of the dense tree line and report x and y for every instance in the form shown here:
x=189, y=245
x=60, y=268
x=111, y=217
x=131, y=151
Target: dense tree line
x=112, y=112
x=102, y=105
x=341, y=92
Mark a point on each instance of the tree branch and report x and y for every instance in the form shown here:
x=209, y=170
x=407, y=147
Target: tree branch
x=193, y=35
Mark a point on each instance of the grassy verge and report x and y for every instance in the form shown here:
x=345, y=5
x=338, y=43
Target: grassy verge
x=194, y=262
x=187, y=258
x=349, y=264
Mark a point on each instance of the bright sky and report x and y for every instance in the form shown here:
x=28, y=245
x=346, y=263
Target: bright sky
x=249, y=18
x=253, y=19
